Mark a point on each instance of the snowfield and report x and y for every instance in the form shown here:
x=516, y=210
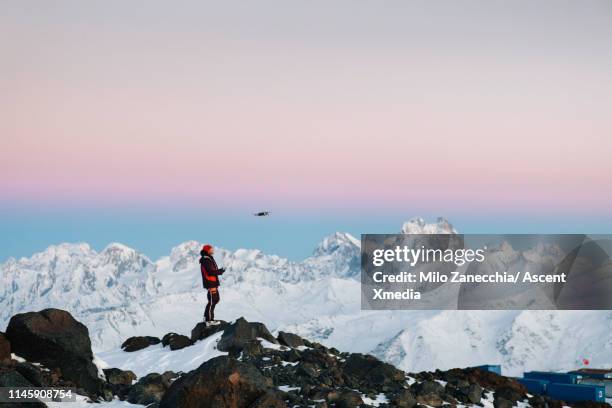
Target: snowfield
x=158, y=359
x=119, y=293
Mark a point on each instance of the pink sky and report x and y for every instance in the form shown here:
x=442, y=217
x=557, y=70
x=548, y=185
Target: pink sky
x=377, y=104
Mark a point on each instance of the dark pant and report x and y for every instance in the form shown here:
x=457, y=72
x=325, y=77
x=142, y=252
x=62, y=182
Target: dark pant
x=213, y=299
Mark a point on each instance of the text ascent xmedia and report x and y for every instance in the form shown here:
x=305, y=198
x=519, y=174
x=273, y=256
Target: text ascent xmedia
x=453, y=277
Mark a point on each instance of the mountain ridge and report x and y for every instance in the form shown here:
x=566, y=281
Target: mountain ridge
x=120, y=292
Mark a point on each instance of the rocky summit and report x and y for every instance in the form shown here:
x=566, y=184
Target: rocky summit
x=251, y=368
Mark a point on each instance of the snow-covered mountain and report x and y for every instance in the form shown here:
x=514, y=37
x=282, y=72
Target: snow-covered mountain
x=109, y=283
x=418, y=225
x=119, y=292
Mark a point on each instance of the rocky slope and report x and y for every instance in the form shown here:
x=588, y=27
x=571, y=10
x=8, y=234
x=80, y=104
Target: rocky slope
x=251, y=368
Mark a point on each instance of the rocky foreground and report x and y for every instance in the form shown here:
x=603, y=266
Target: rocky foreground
x=51, y=348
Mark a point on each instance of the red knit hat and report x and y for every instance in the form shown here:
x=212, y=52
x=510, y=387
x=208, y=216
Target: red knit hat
x=206, y=248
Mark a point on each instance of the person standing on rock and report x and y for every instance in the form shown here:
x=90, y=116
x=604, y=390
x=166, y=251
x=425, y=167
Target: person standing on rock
x=210, y=280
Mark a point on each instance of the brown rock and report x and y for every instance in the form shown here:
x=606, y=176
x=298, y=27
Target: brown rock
x=222, y=382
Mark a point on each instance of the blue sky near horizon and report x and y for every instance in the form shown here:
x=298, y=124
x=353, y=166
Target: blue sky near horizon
x=294, y=236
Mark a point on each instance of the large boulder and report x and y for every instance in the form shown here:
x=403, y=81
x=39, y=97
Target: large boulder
x=176, y=341
x=239, y=334
x=151, y=388
x=368, y=372
x=55, y=339
x=222, y=382
x=290, y=339
x=5, y=348
x=201, y=331
x=139, y=342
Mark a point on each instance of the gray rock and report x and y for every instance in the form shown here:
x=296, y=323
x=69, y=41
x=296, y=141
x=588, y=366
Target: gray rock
x=292, y=355
x=290, y=339
x=252, y=348
x=139, y=342
x=151, y=388
x=236, y=335
x=474, y=393
x=428, y=387
x=116, y=376
x=502, y=403
x=306, y=370
x=176, y=341
x=200, y=331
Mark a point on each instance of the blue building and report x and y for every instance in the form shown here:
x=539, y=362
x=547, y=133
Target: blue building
x=578, y=385
x=560, y=378
x=577, y=392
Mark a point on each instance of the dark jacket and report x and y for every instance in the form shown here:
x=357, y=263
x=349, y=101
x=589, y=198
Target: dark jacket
x=210, y=271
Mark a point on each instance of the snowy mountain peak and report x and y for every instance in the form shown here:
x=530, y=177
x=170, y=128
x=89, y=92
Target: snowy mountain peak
x=117, y=247
x=187, y=246
x=61, y=256
x=115, y=251
x=185, y=255
x=64, y=250
x=123, y=258
x=418, y=225
x=335, y=242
